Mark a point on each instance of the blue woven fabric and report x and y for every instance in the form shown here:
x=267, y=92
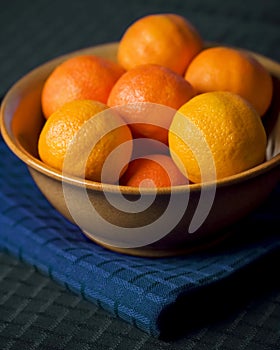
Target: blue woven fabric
x=136, y=289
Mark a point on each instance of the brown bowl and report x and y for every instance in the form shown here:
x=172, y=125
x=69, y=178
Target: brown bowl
x=173, y=220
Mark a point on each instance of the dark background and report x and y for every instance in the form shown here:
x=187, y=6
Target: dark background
x=35, y=31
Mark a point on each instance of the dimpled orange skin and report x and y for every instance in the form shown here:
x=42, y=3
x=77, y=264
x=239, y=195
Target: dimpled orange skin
x=60, y=131
x=157, y=170
x=155, y=84
x=228, y=69
x=233, y=131
x=80, y=77
x=165, y=39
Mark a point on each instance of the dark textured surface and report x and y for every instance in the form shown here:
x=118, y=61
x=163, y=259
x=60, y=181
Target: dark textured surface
x=38, y=314
x=35, y=31
x=35, y=312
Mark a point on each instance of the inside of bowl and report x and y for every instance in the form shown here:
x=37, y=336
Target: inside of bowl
x=272, y=122
x=25, y=120
x=28, y=122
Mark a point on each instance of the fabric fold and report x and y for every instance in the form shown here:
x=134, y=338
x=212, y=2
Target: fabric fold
x=141, y=291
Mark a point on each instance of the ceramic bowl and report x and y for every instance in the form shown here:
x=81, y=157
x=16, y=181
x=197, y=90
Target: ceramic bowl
x=175, y=220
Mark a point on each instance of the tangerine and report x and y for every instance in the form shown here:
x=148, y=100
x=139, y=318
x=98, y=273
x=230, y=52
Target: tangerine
x=166, y=39
x=228, y=69
x=154, y=84
x=154, y=170
x=80, y=77
x=215, y=135
x=86, y=132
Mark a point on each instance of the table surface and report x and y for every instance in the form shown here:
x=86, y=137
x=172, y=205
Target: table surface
x=36, y=312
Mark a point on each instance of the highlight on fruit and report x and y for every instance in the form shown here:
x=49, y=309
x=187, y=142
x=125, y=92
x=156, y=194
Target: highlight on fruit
x=101, y=106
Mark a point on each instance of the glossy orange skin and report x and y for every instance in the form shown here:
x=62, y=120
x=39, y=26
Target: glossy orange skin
x=166, y=39
x=228, y=69
x=81, y=77
x=150, y=83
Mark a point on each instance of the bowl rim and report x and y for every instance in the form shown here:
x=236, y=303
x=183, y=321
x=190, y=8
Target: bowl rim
x=36, y=164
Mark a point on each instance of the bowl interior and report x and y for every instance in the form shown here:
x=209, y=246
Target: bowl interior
x=22, y=118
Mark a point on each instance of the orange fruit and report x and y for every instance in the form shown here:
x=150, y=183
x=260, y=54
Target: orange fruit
x=154, y=84
x=216, y=131
x=80, y=77
x=228, y=69
x=165, y=39
x=155, y=170
x=93, y=131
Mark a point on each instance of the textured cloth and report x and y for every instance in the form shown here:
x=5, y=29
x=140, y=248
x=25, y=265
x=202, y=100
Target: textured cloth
x=239, y=311
x=144, y=292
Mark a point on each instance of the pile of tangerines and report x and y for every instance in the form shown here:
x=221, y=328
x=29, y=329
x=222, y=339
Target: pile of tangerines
x=214, y=98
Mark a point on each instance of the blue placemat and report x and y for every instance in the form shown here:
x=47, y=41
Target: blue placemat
x=144, y=292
